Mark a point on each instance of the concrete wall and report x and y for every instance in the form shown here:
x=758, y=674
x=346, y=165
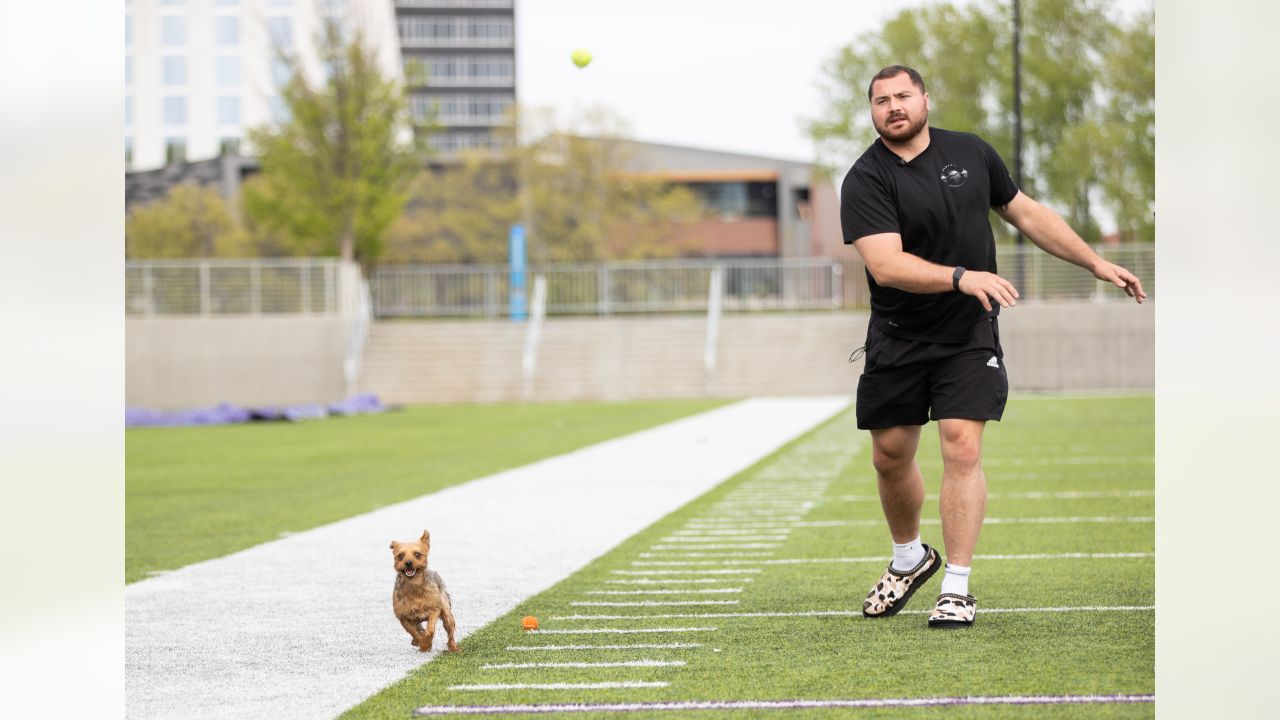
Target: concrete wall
x=181, y=362
x=1048, y=347
x=193, y=362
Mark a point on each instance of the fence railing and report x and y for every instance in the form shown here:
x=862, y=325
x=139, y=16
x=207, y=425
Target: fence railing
x=314, y=286
x=607, y=288
x=1041, y=277
x=233, y=287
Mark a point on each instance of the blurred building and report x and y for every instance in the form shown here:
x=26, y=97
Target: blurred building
x=756, y=206
x=199, y=73
x=459, y=61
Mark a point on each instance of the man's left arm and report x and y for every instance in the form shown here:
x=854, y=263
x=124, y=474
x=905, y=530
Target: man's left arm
x=1052, y=234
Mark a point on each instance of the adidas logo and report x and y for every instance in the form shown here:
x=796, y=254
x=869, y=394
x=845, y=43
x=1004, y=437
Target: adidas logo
x=992, y=363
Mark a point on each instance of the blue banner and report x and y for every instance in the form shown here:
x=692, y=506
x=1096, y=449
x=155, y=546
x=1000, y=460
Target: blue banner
x=519, y=302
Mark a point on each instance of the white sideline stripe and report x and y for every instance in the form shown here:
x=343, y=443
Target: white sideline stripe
x=725, y=546
x=884, y=558
x=851, y=613
x=649, y=603
x=738, y=571
x=672, y=581
x=636, y=646
x=563, y=686
x=188, y=632
x=619, y=663
x=621, y=631
x=711, y=591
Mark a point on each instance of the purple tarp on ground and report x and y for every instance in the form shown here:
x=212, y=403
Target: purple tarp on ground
x=226, y=413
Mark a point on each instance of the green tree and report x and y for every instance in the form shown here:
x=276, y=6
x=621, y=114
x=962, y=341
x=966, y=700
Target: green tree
x=457, y=213
x=579, y=197
x=333, y=174
x=1088, y=90
x=191, y=221
x=585, y=198
x=1127, y=167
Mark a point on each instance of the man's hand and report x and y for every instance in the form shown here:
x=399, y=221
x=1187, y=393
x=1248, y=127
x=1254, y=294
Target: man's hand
x=984, y=285
x=1118, y=276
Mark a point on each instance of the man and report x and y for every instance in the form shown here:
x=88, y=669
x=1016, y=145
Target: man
x=915, y=207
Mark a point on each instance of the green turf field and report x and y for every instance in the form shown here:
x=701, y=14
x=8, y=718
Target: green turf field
x=790, y=548
x=192, y=494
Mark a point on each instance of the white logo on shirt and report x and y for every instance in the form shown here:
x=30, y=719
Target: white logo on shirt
x=954, y=176
x=992, y=363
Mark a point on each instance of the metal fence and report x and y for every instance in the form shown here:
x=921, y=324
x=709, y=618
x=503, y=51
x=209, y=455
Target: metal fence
x=607, y=288
x=232, y=287
x=1040, y=276
x=313, y=286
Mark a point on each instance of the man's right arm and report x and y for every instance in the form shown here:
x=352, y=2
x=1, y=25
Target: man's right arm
x=892, y=267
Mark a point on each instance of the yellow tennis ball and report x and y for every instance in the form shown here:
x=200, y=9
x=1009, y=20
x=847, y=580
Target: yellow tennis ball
x=581, y=57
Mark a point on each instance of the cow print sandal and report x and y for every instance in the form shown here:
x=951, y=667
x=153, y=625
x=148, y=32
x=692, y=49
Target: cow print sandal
x=895, y=588
x=953, y=610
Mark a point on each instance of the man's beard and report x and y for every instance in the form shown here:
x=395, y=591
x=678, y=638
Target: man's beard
x=905, y=134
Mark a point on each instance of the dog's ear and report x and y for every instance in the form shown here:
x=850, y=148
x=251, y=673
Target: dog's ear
x=426, y=537
x=393, y=546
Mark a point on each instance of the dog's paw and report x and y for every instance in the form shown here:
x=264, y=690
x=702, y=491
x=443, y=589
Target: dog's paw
x=454, y=648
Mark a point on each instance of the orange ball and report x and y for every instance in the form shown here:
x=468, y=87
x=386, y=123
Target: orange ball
x=529, y=622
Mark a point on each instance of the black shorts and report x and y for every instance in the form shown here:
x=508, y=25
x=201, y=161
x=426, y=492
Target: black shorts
x=909, y=382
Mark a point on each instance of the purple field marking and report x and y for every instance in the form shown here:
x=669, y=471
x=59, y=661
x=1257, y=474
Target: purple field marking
x=784, y=704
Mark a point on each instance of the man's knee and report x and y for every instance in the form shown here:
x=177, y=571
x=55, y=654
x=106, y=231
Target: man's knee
x=961, y=446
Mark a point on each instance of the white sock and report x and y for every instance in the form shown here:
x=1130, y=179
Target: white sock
x=956, y=580
x=907, y=555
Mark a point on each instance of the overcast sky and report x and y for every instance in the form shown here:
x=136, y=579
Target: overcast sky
x=735, y=75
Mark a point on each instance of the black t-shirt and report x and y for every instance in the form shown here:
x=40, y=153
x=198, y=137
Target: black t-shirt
x=938, y=203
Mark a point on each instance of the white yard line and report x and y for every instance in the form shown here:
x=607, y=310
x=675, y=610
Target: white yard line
x=722, y=533
x=649, y=603
x=769, y=531
x=686, y=572
x=302, y=627
x=711, y=591
x=1035, y=495
x=1024, y=520
x=617, y=664
x=636, y=646
x=885, y=558
x=721, y=546
x=657, y=709
x=848, y=613
x=626, y=685
x=757, y=553
x=700, y=540
x=669, y=581
x=620, y=631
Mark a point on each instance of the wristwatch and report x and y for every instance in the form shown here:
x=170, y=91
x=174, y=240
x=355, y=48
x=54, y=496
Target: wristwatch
x=955, y=277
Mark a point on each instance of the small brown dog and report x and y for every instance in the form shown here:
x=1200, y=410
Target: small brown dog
x=420, y=595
